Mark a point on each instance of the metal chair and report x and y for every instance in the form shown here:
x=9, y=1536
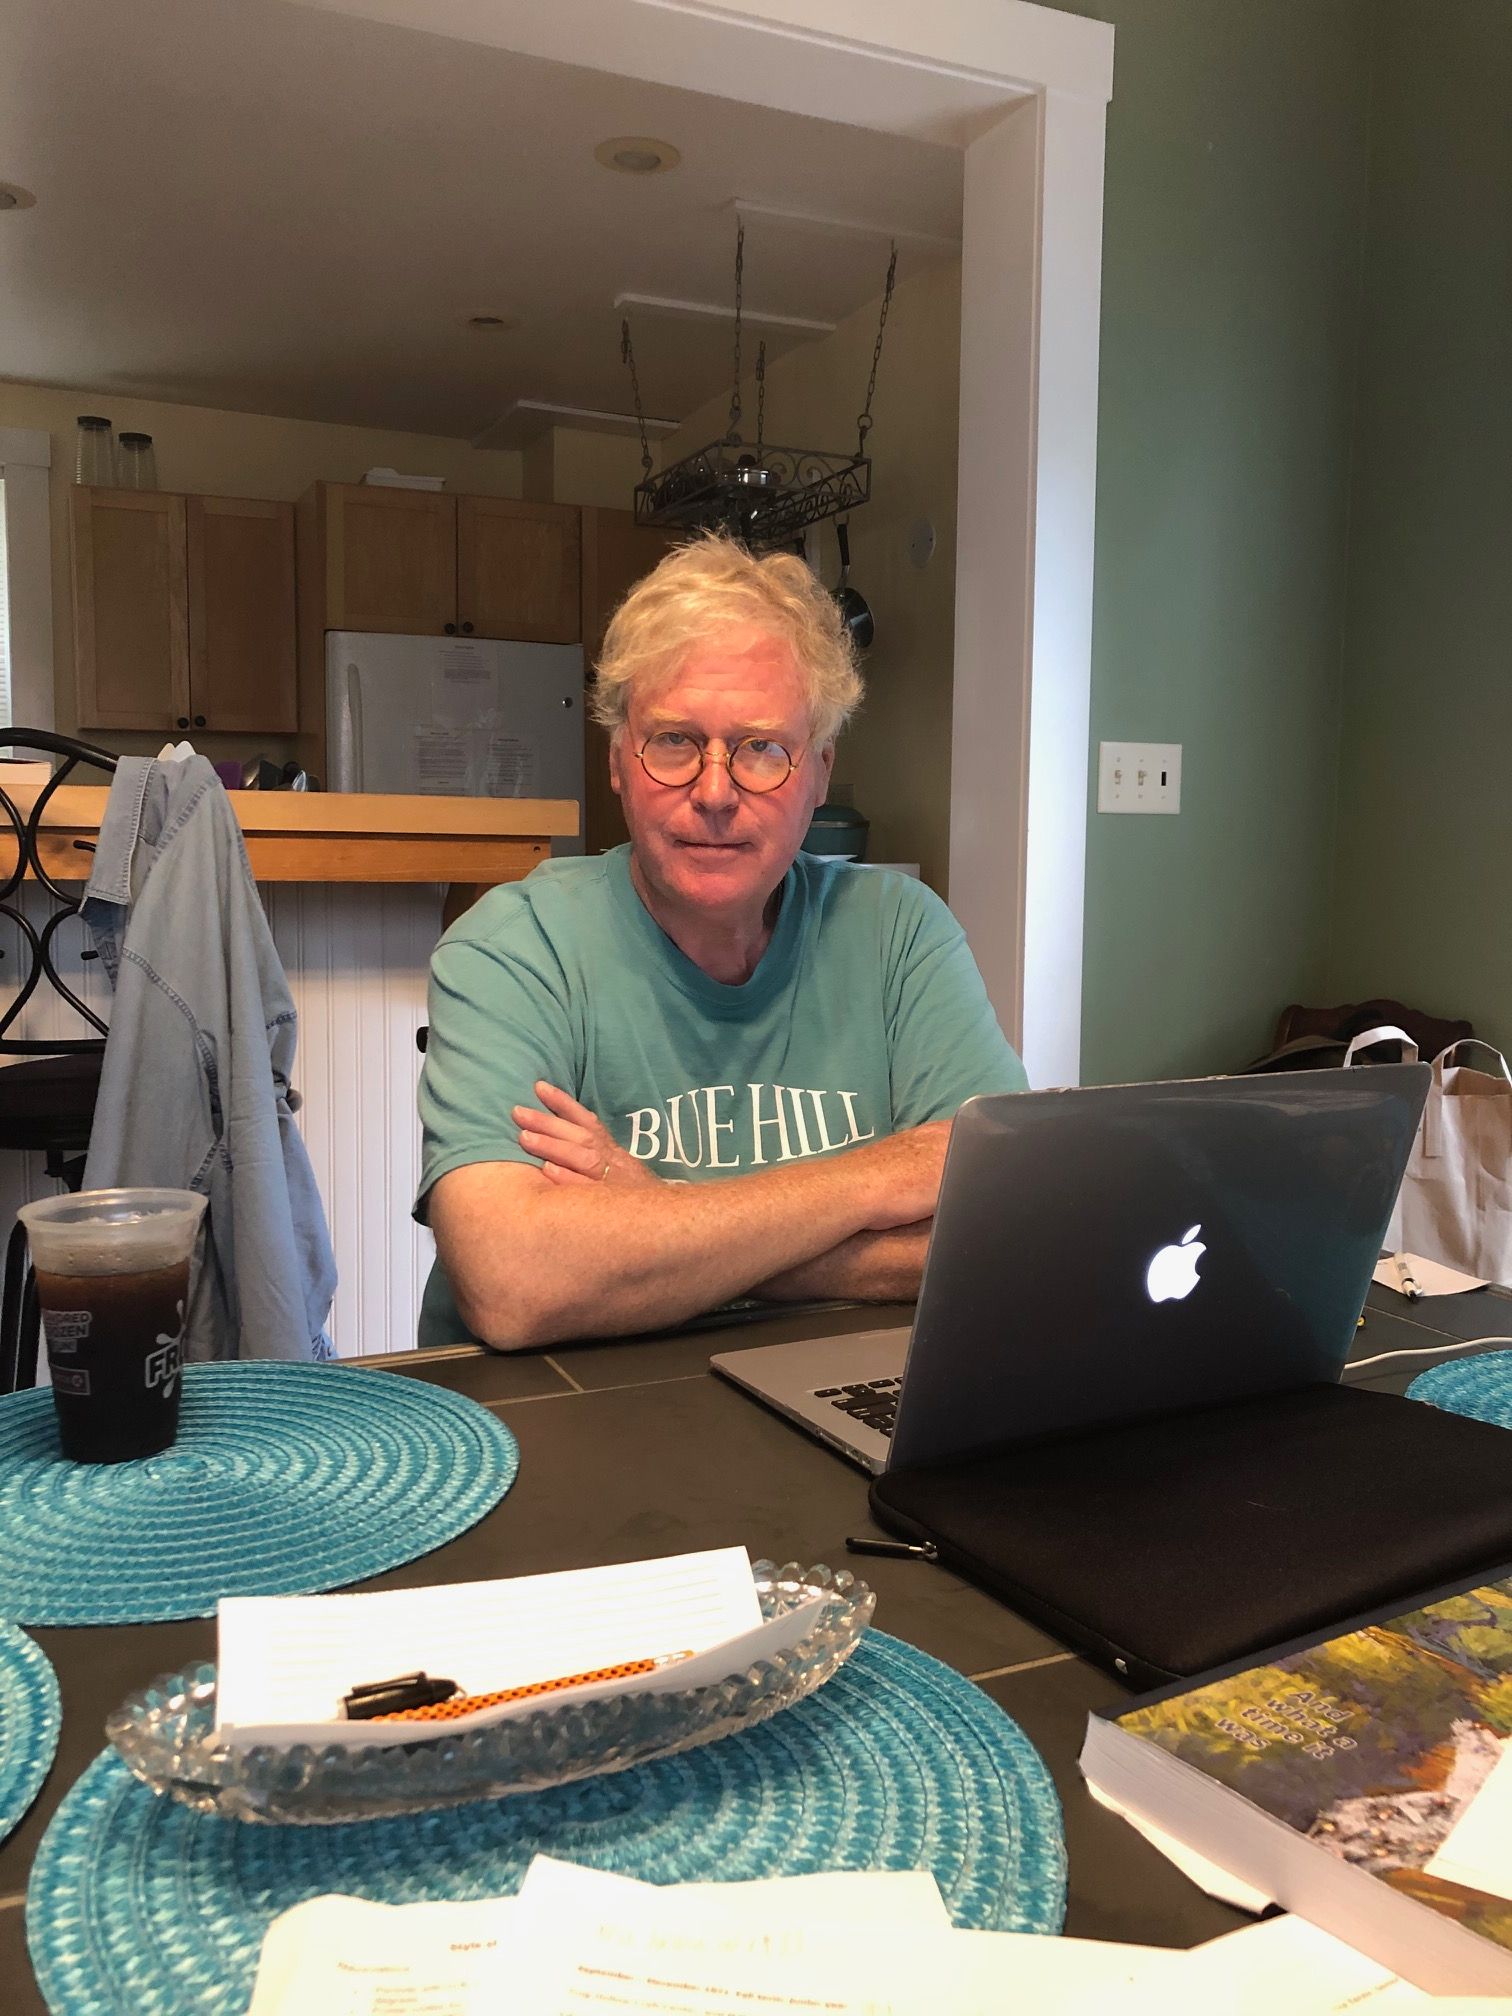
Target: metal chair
x=47, y=1099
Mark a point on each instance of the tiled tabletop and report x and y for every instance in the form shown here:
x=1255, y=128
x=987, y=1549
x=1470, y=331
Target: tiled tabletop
x=634, y=1449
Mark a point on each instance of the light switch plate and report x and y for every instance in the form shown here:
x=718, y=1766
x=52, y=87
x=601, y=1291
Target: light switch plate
x=1139, y=777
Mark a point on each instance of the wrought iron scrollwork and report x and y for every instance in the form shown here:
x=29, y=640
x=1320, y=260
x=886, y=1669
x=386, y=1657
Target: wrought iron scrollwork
x=28, y=864
x=766, y=503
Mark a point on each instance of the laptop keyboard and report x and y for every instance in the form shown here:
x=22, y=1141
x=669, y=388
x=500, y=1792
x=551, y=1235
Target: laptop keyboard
x=873, y=1402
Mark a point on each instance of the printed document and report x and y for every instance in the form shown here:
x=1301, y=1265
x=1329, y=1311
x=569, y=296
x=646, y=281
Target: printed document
x=576, y=1941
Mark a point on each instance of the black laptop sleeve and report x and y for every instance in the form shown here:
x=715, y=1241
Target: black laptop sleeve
x=1167, y=1546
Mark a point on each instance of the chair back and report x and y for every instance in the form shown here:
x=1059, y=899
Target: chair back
x=36, y=945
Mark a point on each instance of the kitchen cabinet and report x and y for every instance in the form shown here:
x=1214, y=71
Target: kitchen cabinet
x=518, y=570
x=241, y=616
x=420, y=563
x=130, y=608
x=183, y=612
x=387, y=559
x=616, y=554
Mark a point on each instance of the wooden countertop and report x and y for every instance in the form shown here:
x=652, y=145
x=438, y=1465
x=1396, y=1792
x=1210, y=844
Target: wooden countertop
x=342, y=836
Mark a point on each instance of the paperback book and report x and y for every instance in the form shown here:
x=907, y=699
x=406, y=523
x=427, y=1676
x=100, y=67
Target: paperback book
x=1331, y=1778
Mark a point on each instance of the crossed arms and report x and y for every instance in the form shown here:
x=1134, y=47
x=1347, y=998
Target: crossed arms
x=538, y=1254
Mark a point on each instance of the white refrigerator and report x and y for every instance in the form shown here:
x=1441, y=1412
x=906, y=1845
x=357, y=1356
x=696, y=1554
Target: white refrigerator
x=463, y=717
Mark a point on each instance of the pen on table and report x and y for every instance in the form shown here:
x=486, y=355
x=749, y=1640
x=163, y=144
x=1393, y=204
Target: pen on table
x=415, y=1697
x=910, y=1550
x=1410, y=1288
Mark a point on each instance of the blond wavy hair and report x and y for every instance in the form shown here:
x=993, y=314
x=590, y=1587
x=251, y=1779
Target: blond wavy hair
x=713, y=585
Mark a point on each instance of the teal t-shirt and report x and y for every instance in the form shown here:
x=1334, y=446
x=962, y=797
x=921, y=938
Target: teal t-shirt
x=865, y=1016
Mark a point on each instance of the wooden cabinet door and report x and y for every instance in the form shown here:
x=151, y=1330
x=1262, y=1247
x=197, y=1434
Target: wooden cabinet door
x=616, y=554
x=391, y=559
x=130, y=609
x=518, y=570
x=241, y=616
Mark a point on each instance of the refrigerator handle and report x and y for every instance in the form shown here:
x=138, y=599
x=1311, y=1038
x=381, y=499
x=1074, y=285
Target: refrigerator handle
x=352, y=742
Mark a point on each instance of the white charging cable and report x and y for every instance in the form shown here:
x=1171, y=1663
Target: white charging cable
x=1426, y=1351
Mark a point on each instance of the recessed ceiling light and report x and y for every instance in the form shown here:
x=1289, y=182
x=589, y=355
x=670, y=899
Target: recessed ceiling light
x=634, y=154
x=492, y=323
x=14, y=197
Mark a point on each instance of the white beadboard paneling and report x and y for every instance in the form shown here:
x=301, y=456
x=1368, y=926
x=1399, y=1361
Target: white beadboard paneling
x=357, y=957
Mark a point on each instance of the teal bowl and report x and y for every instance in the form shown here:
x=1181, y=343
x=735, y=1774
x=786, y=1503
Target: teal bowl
x=839, y=832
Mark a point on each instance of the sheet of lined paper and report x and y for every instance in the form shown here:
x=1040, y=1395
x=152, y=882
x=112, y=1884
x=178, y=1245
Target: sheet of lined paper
x=287, y=1662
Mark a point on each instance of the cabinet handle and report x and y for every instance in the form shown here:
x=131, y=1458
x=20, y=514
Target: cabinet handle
x=199, y=720
x=450, y=628
x=183, y=720
x=467, y=629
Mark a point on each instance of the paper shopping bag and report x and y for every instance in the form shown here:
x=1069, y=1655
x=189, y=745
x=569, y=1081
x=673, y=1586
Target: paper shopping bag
x=1456, y=1198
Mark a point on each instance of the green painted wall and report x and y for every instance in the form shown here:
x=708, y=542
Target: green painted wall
x=1235, y=204
x=1425, y=809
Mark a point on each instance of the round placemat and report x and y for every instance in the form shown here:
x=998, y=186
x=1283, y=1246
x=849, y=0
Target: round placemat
x=898, y=1763
x=29, y=1720
x=284, y=1479
x=1480, y=1387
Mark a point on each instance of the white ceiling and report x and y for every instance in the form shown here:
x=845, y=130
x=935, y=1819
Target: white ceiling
x=250, y=204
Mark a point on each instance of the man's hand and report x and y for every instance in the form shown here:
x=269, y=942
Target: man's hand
x=867, y=1267
x=573, y=1145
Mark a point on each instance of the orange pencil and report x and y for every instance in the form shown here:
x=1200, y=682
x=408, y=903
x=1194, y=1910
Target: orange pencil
x=466, y=1704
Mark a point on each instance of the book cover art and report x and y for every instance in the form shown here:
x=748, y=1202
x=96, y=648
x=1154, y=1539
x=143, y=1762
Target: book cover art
x=1372, y=1744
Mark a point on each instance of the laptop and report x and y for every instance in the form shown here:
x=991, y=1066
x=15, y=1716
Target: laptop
x=1117, y=1251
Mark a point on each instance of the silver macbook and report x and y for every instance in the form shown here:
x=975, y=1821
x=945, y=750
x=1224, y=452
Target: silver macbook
x=1114, y=1251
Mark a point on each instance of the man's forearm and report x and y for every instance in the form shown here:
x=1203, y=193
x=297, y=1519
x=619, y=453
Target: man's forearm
x=531, y=1263
x=867, y=1267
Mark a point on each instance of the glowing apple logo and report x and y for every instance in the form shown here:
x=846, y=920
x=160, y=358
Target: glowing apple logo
x=1172, y=1274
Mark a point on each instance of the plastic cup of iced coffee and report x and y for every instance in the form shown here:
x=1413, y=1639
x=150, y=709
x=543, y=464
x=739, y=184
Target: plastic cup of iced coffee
x=112, y=1271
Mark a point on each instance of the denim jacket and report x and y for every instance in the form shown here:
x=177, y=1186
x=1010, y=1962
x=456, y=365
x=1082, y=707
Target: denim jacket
x=194, y=1089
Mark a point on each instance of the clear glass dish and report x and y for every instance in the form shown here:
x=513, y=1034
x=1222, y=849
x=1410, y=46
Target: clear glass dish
x=165, y=1732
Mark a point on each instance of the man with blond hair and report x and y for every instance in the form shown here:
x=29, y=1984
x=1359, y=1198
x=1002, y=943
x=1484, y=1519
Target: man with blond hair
x=705, y=1065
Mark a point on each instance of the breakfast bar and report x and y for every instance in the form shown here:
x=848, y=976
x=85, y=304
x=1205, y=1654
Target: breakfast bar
x=346, y=836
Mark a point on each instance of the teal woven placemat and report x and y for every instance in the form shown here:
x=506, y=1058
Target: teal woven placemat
x=1480, y=1387
x=898, y=1763
x=284, y=1479
x=29, y=1721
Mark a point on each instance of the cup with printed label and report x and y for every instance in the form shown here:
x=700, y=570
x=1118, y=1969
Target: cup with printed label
x=112, y=1272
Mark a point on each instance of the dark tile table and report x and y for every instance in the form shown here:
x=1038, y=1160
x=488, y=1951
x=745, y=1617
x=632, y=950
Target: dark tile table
x=636, y=1449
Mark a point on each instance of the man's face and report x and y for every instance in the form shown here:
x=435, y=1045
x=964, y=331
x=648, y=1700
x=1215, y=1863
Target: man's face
x=709, y=845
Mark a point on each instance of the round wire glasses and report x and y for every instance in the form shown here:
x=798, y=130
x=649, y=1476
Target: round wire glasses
x=756, y=763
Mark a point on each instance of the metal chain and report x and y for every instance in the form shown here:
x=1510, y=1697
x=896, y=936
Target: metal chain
x=760, y=399
x=627, y=356
x=734, y=430
x=864, y=419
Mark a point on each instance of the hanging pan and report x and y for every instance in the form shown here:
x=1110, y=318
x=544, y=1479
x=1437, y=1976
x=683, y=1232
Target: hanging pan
x=855, y=612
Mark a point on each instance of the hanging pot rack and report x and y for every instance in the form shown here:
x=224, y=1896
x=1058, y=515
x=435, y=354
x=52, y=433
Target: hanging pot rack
x=762, y=494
